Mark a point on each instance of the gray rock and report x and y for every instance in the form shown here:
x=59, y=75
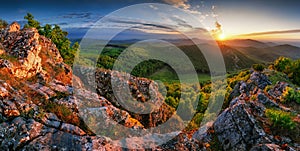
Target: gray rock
x=237, y=129
x=259, y=79
x=262, y=98
x=277, y=90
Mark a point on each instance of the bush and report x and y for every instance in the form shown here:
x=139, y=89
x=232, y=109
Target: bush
x=291, y=68
x=295, y=72
x=282, y=63
x=290, y=95
x=3, y=24
x=172, y=102
x=31, y=22
x=258, y=67
x=195, y=122
x=281, y=119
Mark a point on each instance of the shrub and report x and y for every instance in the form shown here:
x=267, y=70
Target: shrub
x=258, y=67
x=3, y=24
x=295, y=72
x=195, y=122
x=280, y=119
x=186, y=109
x=291, y=68
x=290, y=94
x=282, y=63
x=172, y=102
x=31, y=22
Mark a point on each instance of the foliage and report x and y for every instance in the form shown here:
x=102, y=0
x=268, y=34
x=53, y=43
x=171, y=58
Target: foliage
x=241, y=76
x=282, y=63
x=195, y=122
x=290, y=95
x=281, y=119
x=172, y=101
x=105, y=62
x=58, y=37
x=275, y=76
x=186, y=109
x=291, y=68
x=31, y=23
x=258, y=67
x=203, y=102
x=3, y=24
x=295, y=72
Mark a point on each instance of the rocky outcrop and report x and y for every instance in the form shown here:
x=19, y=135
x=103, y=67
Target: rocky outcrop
x=140, y=90
x=26, y=54
x=23, y=46
x=237, y=129
x=242, y=126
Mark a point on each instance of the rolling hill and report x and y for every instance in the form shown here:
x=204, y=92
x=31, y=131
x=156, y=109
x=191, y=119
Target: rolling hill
x=269, y=54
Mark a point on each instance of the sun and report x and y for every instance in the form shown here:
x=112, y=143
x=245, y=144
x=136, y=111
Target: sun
x=221, y=36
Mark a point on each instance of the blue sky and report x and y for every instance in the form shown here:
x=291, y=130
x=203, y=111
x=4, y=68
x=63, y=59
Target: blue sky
x=236, y=17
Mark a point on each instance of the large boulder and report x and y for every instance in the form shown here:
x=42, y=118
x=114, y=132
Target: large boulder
x=237, y=129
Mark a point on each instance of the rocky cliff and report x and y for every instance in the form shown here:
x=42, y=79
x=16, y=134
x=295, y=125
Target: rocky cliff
x=44, y=107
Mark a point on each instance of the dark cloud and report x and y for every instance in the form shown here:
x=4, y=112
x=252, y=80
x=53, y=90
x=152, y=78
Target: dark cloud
x=75, y=15
x=62, y=24
x=181, y=22
x=133, y=22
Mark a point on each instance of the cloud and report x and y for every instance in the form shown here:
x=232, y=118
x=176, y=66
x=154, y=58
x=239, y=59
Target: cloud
x=124, y=21
x=180, y=22
x=73, y=19
x=63, y=24
x=77, y=15
x=272, y=32
x=153, y=7
x=179, y=3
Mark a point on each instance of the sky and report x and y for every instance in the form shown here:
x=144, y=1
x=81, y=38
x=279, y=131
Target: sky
x=258, y=19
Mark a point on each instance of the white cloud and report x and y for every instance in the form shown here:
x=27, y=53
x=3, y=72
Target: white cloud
x=179, y=3
x=153, y=7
